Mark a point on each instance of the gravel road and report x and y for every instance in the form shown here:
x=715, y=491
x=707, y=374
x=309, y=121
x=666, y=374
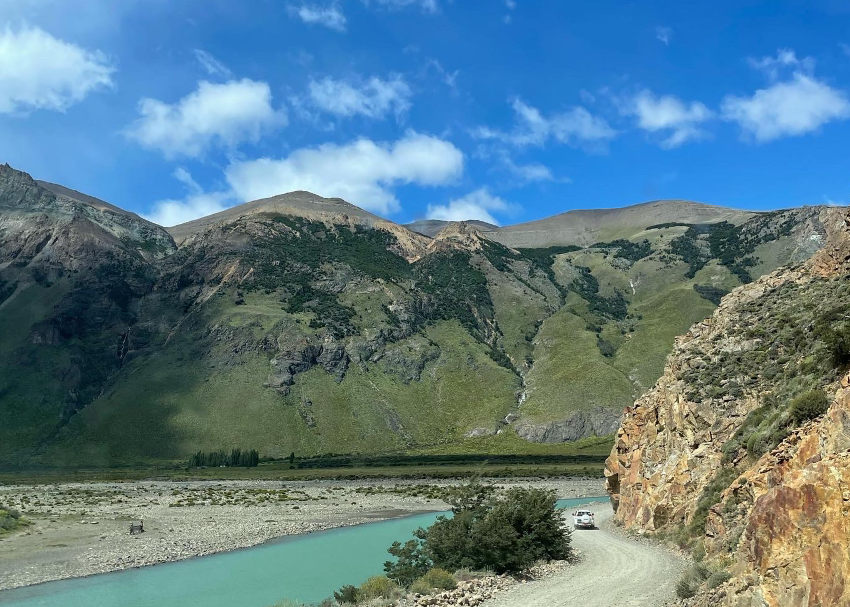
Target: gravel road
x=614, y=572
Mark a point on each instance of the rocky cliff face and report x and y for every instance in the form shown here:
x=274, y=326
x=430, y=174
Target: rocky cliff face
x=719, y=457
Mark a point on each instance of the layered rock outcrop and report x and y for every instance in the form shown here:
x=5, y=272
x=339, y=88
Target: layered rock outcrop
x=598, y=421
x=687, y=455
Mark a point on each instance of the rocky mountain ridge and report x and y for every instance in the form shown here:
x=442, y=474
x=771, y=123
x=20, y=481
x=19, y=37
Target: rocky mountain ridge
x=303, y=323
x=741, y=451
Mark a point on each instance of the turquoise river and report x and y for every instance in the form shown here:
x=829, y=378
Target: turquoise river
x=305, y=568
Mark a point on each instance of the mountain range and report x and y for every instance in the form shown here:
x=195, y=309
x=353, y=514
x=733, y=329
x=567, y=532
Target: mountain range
x=302, y=323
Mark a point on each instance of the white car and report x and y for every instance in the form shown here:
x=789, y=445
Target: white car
x=583, y=519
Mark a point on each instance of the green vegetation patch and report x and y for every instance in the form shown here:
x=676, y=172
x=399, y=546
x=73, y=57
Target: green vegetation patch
x=11, y=520
x=457, y=290
x=506, y=533
x=733, y=245
x=627, y=249
x=568, y=370
x=711, y=293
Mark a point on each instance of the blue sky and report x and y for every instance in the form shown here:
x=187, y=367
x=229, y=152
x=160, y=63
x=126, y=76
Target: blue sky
x=503, y=110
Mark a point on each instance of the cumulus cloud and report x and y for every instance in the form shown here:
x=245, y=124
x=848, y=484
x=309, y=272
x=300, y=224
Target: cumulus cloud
x=576, y=126
x=679, y=121
x=197, y=203
x=663, y=34
x=329, y=16
x=362, y=172
x=373, y=98
x=792, y=107
x=38, y=71
x=475, y=205
x=214, y=114
x=213, y=66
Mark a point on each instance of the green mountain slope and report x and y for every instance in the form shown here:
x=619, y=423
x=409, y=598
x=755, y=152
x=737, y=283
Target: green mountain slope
x=305, y=324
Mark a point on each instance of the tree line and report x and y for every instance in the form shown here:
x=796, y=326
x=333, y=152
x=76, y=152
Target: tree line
x=242, y=458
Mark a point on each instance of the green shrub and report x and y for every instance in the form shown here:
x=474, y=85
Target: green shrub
x=434, y=579
x=710, y=496
x=10, y=519
x=378, y=587
x=699, y=572
x=809, y=406
x=717, y=578
x=838, y=342
x=698, y=552
x=685, y=588
x=347, y=594
x=411, y=563
x=508, y=534
x=450, y=543
x=440, y=579
x=420, y=586
x=756, y=444
x=691, y=580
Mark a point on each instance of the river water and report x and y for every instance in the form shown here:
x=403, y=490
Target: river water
x=305, y=568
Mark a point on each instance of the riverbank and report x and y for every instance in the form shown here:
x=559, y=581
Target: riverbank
x=81, y=529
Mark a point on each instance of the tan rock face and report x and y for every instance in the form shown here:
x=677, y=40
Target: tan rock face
x=785, y=521
x=796, y=541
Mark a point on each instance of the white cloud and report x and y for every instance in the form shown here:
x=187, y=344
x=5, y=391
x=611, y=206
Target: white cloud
x=449, y=78
x=197, y=203
x=328, y=16
x=362, y=172
x=533, y=171
x=790, y=108
x=429, y=6
x=373, y=98
x=475, y=205
x=663, y=34
x=587, y=96
x=510, y=5
x=213, y=66
x=38, y=71
x=668, y=114
x=215, y=114
x=576, y=126
x=785, y=58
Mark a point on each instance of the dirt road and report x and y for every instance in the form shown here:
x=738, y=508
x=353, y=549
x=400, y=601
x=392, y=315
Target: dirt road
x=614, y=572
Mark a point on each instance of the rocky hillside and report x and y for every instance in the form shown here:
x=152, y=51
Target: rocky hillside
x=741, y=451
x=585, y=227
x=307, y=324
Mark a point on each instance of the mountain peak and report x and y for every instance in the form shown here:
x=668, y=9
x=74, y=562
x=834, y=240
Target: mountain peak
x=299, y=203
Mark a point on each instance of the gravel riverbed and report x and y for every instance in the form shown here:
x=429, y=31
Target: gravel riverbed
x=81, y=529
